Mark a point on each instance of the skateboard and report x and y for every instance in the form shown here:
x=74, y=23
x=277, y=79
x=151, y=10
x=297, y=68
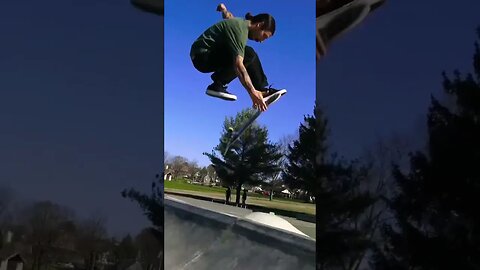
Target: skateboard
x=234, y=135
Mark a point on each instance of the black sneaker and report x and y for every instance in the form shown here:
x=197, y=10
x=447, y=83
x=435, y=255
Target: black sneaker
x=268, y=92
x=220, y=91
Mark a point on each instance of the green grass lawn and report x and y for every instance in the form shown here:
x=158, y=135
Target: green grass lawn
x=253, y=198
x=183, y=185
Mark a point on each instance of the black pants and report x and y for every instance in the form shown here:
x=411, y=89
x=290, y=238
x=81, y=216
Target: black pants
x=222, y=64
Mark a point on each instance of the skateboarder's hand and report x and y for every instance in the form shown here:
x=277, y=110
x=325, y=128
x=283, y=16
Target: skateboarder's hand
x=225, y=13
x=221, y=8
x=257, y=99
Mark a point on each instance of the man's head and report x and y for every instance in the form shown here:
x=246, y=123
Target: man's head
x=262, y=26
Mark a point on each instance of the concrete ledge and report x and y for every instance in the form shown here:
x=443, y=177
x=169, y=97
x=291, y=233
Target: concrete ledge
x=276, y=238
x=300, y=216
x=191, y=210
x=282, y=238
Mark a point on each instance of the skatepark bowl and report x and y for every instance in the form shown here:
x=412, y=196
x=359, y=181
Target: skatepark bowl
x=199, y=238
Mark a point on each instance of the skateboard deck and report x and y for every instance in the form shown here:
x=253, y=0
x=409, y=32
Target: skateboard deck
x=234, y=135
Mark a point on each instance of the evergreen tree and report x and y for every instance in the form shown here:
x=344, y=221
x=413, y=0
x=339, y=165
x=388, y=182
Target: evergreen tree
x=250, y=160
x=335, y=183
x=152, y=206
x=436, y=206
x=301, y=168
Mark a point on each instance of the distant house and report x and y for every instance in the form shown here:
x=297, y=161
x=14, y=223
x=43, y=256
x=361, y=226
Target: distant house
x=167, y=174
x=10, y=259
x=207, y=180
x=286, y=193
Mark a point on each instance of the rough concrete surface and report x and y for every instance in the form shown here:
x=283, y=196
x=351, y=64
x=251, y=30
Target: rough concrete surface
x=199, y=238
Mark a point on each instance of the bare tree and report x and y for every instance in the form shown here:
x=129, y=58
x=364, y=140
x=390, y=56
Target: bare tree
x=178, y=166
x=6, y=215
x=124, y=250
x=149, y=249
x=192, y=169
x=166, y=157
x=379, y=160
x=45, y=224
x=276, y=181
x=212, y=175
x=202, y=174
x=283, y=143
x=92, y=239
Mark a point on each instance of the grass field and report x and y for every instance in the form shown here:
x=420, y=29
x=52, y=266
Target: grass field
x=181, y=186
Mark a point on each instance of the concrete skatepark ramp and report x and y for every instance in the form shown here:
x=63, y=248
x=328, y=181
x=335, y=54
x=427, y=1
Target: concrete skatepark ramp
x=198, y=238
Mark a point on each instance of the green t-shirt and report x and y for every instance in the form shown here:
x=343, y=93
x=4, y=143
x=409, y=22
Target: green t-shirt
x=230, y=32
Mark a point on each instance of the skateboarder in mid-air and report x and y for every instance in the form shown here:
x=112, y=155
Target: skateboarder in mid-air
x=222, y=49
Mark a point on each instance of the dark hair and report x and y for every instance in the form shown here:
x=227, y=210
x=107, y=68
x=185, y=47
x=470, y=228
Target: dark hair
x=267, y=19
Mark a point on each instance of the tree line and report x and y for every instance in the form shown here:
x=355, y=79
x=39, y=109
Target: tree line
x=182, y=167
x=401, y=206
x=49, y=235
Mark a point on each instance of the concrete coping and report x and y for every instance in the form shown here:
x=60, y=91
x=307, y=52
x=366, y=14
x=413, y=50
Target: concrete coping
x=288, y=241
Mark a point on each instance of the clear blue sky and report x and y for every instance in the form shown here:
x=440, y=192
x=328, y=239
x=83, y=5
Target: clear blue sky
x=193, y=120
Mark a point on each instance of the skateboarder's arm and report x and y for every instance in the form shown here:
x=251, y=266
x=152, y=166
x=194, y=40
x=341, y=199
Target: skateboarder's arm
x=244, y=78
x=225, y=13
x=242, y=74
